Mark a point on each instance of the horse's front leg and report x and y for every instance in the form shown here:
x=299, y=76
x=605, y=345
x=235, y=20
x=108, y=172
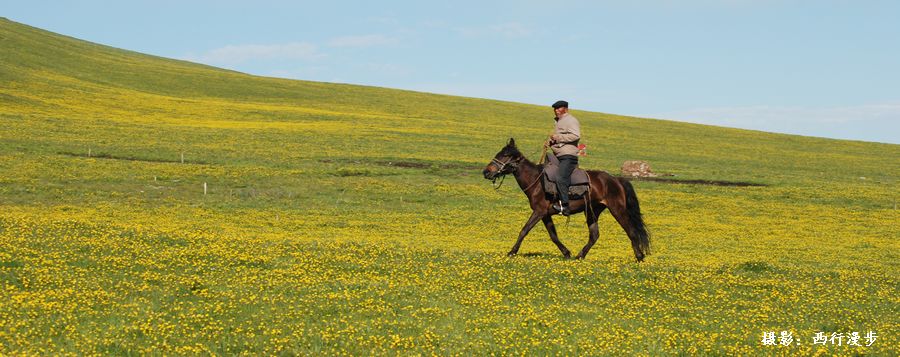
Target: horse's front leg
x=594, y=228
x=551, y=229
x=535, y=217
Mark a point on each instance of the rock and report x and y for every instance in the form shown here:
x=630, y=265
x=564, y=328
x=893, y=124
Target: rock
x=637, y=168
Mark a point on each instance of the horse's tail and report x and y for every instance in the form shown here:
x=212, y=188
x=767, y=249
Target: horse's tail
x=638, y=228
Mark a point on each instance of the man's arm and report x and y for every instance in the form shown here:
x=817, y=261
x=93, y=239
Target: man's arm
x=569, y=132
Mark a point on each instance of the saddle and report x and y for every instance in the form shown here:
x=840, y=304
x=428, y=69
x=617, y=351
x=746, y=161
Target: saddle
x=579, y=183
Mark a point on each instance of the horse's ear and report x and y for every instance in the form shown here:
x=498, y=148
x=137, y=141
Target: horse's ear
x=512, y=142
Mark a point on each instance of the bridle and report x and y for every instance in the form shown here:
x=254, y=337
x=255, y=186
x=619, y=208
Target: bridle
x=500, y=165
x=512, y=163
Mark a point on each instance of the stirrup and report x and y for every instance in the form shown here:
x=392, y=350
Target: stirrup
x=562, y=209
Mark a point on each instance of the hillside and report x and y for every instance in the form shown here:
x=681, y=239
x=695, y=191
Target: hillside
x=351, y=219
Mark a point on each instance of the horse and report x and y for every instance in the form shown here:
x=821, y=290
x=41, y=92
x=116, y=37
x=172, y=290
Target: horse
x=605, y=191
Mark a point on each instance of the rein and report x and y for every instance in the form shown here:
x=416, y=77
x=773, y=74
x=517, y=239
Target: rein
x=500, y=166
x=494, y=182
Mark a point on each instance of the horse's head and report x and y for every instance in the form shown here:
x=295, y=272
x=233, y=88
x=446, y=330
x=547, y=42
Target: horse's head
x=506, y=161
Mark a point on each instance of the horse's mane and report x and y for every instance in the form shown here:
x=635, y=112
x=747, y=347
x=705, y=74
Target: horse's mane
x=512, y=151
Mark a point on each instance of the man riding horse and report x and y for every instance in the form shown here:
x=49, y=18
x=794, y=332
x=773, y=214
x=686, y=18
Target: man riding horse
x=564, y=143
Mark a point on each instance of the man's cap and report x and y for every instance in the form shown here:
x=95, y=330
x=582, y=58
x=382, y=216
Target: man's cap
x=560, y=104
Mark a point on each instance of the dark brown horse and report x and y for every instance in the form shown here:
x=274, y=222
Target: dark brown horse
x=605, y=191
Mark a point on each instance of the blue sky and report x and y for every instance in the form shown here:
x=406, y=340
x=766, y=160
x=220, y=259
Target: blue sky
x=817, y=68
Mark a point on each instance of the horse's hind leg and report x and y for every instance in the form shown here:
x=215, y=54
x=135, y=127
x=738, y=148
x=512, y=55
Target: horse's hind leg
x=551, y=229
x=592, y=216
x=621, y=216
x=535, y=217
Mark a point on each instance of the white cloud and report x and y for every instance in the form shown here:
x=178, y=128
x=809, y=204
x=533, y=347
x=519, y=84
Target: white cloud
x=772, y=114
x=362, y=41
x=505, y=30
x=873, y=122
x=235, y=54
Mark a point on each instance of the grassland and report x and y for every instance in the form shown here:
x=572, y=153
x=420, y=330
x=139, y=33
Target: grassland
x=345, y=219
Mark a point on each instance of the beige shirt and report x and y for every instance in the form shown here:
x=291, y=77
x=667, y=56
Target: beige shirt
x=566, y=135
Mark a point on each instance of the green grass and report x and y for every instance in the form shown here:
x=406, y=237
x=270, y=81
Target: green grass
x=346, y=219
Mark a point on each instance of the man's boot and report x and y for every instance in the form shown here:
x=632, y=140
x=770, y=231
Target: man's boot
x=563, y=208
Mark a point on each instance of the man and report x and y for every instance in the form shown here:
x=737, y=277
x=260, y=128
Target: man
x=564, y=143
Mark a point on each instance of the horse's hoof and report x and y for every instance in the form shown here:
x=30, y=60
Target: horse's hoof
x=511, y=254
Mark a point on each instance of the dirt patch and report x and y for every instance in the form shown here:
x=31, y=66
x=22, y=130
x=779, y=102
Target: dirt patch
x=427, y=165
x=698, y=182
x=462, y=166
x=129, y=158
x=405, y=164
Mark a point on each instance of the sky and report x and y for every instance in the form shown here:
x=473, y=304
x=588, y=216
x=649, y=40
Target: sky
x=817, y=68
